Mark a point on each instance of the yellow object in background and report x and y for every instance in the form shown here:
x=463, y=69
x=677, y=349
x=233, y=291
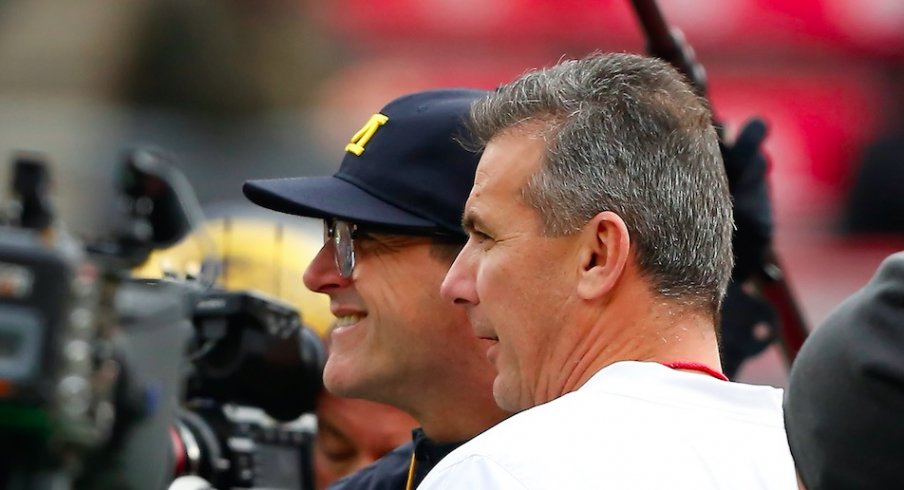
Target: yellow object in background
x=267, y=256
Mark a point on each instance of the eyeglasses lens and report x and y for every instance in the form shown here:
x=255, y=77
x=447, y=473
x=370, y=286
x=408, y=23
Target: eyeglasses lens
x=340, y=234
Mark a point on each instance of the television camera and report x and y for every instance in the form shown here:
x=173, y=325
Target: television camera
x=112, y=382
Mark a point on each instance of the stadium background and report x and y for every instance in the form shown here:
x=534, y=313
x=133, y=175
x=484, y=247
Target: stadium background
x=240, y=89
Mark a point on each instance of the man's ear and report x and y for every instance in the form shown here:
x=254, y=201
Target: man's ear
x=604, y=253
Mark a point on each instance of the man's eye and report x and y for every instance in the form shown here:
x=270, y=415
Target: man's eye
x=387, y=240
x=368, y=238
x=481, y=237
x=335, y=445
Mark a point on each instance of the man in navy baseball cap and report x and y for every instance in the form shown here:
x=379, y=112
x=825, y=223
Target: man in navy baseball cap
x=392, y=227
x=404, y=169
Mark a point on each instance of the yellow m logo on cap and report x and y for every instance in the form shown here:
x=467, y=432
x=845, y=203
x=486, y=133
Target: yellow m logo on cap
x=360, y=139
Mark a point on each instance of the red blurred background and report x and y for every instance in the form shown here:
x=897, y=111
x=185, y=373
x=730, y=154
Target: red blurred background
x=241, y=89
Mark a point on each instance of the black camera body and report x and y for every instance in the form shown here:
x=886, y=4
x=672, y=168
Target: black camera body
x=251, y=354
x=239, y=447
x=254, y=350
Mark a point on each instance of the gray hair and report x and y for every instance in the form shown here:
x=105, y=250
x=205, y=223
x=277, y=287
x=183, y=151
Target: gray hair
x=625, y=133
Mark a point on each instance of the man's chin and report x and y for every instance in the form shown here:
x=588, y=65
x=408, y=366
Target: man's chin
x=340, y=380
x=504, y=398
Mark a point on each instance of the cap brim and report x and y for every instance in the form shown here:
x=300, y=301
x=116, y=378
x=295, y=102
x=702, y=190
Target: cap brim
x=329, y=197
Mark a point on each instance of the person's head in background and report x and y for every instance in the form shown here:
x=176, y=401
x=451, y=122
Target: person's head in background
x=392, y=228
x=844, y=406
x=600, y=225
x=353, y=433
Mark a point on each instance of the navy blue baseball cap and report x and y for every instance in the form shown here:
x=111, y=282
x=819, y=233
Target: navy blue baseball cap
x=406, y=169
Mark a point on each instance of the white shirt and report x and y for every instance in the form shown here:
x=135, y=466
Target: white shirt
x=633, y=425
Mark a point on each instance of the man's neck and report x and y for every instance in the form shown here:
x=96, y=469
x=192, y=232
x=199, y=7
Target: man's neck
x=634, y=331
x=446, y=427
x=456, y=414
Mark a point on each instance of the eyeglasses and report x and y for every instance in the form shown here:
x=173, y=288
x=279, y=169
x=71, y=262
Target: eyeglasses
x=342, y=235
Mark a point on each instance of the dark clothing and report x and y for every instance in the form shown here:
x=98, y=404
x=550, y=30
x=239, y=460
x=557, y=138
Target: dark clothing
x=387, y=473
x=391, y=471
x=845, y=397
x=876, y=203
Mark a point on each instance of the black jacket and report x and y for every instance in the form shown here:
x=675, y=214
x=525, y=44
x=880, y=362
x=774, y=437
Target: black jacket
x=391, y=471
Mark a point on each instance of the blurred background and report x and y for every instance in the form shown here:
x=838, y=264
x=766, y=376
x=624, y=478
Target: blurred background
x=241, y=89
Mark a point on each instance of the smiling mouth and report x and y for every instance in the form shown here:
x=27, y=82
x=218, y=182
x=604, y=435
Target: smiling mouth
x=348, y=320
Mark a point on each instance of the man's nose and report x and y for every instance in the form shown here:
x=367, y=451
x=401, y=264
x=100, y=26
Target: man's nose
x=459, y=283
x=322, y=275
